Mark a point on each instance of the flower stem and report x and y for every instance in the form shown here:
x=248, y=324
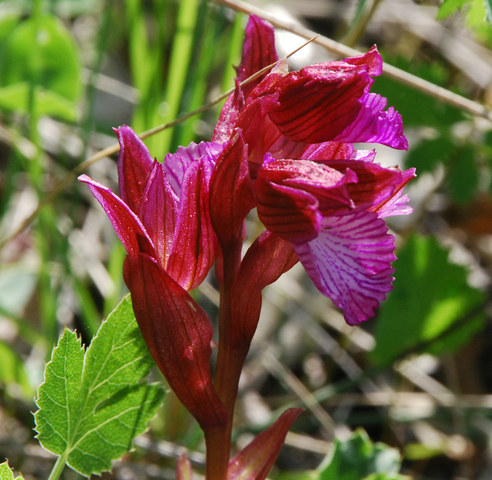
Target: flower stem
x=230, y=360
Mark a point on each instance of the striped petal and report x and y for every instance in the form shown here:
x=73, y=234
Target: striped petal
x=176, y=164
x=331, y=102
x=126, y=224
x=258, y=52
x=293, y=194
x=193, y=244
x=350, y=262
x=158, y=211
x=134, y=167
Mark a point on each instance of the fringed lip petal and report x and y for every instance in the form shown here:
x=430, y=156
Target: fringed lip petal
x=178, y=334
x=373, y=124
x=126, y=224
x=350, y=262
x=134, y=167
x=331, y=102
x=255, y=460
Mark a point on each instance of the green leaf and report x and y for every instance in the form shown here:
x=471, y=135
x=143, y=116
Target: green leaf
x=6, y=473
x=93, y=403
x=358, y=458
x=40, y=54
x=430, y=296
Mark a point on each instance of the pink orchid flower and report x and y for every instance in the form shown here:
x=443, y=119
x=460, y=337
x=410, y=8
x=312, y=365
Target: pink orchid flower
x=162, y=220
x=289, y=152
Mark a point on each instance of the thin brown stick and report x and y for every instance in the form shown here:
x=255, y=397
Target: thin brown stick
x=342, y=50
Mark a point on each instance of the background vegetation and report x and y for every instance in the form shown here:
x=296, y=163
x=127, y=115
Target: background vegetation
x=417, y=378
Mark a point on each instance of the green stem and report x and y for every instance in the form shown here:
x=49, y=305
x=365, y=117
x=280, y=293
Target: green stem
x=365, y=13
x=58, y=467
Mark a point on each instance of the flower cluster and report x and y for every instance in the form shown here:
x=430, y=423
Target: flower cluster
x=284, y=145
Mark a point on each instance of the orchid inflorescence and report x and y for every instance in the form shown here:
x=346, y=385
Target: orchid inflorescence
x=283, y=144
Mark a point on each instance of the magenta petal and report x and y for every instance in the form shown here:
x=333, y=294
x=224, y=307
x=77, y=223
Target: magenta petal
x=178, y=334
x=125, y=223
x=318, y=103
x=293, y=194
x=193, y=243
x=255, y=460
x=158, y=212
x=134, y=167
x=350, y=262
x=375, y=125
x=176, y=164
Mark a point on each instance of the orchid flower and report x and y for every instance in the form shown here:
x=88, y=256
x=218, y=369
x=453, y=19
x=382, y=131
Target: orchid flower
x=298, y=166
x=283, y=145
x=162, y=220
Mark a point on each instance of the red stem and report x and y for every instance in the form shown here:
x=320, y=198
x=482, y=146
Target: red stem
x=230, y=360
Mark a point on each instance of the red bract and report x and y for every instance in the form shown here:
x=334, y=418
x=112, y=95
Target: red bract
x=255, y=460
x=163, y=221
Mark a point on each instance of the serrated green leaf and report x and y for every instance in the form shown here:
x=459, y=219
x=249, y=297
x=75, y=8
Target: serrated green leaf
x=429, y=296
x=358, y=458
x=93, y=403
x=42, y=55
x=7, y=474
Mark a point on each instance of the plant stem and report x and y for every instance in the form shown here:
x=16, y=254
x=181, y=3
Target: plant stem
x=58, y=467
x=230, y=361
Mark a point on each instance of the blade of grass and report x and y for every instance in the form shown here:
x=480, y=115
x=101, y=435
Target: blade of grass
x=179, y=63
